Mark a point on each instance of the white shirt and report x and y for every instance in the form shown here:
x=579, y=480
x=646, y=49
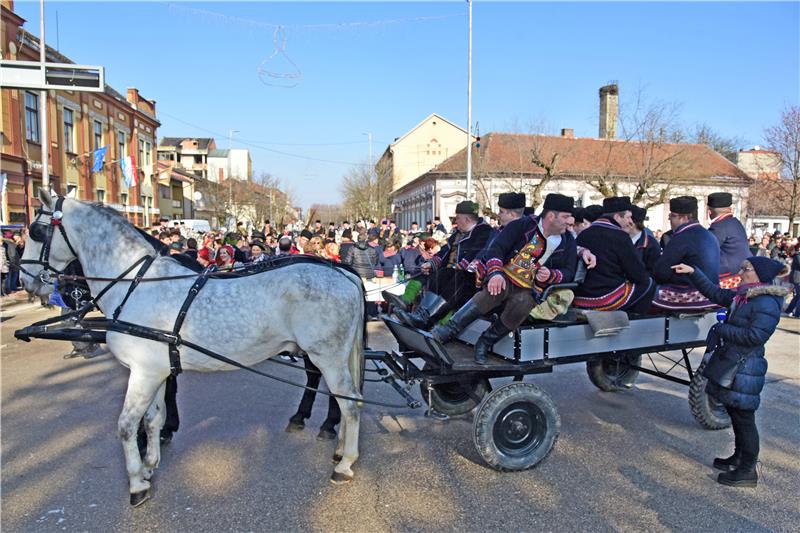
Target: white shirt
x=635, y=238
x=553, y=242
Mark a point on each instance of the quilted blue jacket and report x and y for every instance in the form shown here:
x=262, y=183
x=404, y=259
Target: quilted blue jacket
x=746, y=330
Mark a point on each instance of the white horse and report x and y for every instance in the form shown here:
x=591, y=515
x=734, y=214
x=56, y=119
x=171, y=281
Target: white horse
x=248, y=319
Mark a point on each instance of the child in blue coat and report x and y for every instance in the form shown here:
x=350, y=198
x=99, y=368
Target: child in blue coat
x=754, y=310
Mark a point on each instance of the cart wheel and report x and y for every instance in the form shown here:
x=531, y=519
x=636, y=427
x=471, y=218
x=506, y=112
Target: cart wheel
x=516, y=427
x=708, y=412
x=614, y=374
x=454, y=399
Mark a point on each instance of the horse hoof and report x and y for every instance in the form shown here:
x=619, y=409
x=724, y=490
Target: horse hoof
x=340, y=479
x=295, y=427
x=138, y=498
x=326, y=434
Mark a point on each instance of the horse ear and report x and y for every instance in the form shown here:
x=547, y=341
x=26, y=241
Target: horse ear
x=46, y=197
x=73, y=193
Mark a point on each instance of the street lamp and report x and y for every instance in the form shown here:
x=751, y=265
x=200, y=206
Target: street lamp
x=371, y=168
x=230, y=184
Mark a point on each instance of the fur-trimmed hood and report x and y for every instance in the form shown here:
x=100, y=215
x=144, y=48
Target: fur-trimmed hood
x=771, y=290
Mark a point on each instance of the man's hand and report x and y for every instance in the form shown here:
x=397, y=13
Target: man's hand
x=496, y=285
x=681, y=268
x=543, y=274
x=425, y=268
x=589, y=258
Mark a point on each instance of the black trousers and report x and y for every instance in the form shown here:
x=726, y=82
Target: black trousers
x=313, y=378
x=745, y=432
x=455, y=286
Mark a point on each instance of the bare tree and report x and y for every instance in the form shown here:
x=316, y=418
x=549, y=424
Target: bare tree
x=367, y=195
x=647, y=151
x=214, y=199
x=784, y=139
x=728, y=147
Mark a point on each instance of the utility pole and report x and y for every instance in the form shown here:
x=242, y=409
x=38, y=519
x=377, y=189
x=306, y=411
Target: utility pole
x=371, y=169
x=43, y=98
x=469, y=107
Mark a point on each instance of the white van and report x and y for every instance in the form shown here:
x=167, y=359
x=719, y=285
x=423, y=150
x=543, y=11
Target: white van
x=197, y=225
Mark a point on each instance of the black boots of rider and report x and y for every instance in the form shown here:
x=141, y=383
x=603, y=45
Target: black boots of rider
x=460, y=320
x=726, y=464
x=488, y=339
x=742, y=475
x=431, y=306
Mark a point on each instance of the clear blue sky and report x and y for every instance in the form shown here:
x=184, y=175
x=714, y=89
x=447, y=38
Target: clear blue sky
x=731, y=65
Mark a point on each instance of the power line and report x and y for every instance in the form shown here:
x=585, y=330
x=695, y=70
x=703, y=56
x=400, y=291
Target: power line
x=259, y=145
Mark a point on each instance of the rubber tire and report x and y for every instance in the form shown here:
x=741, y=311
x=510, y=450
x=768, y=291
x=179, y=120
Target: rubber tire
x=604, y=375
x=450, y=398
x=702, y=405
x=501, y=404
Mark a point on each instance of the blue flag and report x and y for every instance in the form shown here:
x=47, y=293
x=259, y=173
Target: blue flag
x=98, y=156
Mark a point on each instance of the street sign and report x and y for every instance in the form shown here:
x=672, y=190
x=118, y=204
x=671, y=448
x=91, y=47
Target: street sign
x=64, y=76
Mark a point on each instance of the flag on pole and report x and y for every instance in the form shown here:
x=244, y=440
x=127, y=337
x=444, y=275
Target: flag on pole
x=98, y=157
x=129, y=172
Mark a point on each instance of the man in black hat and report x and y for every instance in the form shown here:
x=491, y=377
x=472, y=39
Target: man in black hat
x=302, y=240
x=733, y=244
x=644, y=241
x=530, y=253
x=511, y=206
x=450, y=285
x=693, y=245
x=620, y=281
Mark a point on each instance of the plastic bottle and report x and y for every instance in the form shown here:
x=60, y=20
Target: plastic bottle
x=402, y=276
x=722, y=315
x=395, y=274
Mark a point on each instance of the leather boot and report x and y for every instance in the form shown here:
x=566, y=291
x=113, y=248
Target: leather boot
x=431, y=305
x=744, y=475
x=463, y=318
x=726, y=464
x=487, y=339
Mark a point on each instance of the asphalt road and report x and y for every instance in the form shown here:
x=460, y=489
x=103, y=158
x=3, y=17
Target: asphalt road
x=624, y=461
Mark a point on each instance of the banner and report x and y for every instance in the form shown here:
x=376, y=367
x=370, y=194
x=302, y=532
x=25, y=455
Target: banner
x=98, y=157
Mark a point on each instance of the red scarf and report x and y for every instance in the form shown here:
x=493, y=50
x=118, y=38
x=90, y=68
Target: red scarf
x=741, y=292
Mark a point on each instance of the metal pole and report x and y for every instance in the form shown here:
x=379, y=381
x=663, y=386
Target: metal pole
x=45, y=140
x=230, y=184
x=469, y=107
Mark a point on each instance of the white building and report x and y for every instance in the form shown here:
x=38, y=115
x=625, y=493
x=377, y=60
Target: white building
x=233, y=162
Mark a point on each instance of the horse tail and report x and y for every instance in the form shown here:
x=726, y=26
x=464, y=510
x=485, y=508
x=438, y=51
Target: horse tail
x=356, y=361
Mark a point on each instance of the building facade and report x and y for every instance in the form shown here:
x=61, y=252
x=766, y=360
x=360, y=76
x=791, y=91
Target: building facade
x=235, y=162
x=78, y=124
x=427, y=144
x=502, y=163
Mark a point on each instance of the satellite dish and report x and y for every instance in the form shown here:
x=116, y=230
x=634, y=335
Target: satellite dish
x=197, y=196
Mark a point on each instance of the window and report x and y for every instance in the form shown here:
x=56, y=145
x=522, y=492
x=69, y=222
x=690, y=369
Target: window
x=98, y=134
x=121, y=146
x=101, y=196
x=31, y=117
x=141, y=151
x=69, y=131
x=123, y=198
x=148, y=153
x=164, y=191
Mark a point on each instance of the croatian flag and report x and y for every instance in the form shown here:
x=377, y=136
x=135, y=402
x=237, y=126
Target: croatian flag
x=99, y=155
x=128, y=165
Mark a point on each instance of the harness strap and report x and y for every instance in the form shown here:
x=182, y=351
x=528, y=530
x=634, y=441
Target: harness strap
x=148, y=260
x=174, y=353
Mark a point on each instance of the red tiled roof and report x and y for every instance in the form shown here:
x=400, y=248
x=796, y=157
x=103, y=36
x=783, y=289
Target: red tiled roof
x=507, y=152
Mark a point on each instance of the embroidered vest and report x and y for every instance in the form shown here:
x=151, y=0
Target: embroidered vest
x=521, y=270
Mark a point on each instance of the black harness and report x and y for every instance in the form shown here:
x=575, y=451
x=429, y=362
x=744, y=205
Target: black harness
x=94, y=329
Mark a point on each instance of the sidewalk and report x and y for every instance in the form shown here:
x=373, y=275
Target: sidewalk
x=18, y=297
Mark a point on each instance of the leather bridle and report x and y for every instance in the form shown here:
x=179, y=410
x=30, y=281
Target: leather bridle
x=43, y=233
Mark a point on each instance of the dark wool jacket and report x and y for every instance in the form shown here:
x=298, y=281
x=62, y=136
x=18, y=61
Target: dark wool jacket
x=363, y=258
x=746, y=330
x=412, y=259
x=648, y=249
x=467, y=249
x=617, y=259
x=563, y=262
x=691, y=244
x=733, y=245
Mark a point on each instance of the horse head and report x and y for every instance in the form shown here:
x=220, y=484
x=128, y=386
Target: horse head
x=47, y=250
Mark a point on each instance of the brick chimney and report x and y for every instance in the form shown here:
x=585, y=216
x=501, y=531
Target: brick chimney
x=568, y=133
x=133, y=96
x=609, y=109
